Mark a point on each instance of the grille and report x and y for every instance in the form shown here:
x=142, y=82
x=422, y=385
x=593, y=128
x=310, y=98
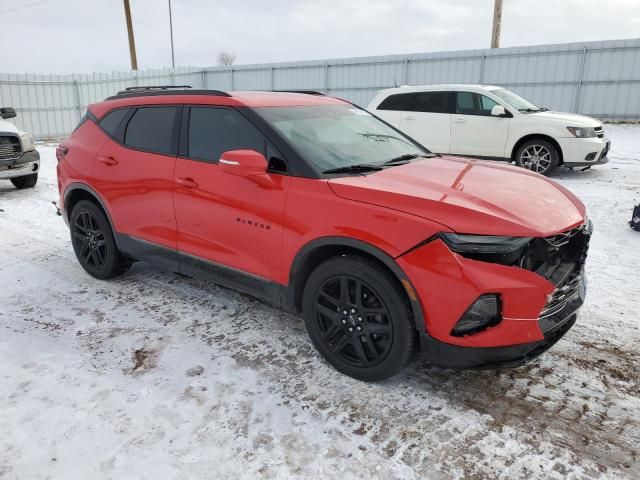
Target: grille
x=599, y=132
x=9, y=147
x=564, y=267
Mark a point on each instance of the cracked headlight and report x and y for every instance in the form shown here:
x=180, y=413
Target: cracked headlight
x=582, y=132
x=27, y=142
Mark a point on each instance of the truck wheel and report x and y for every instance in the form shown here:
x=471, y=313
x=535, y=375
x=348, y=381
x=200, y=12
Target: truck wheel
x=28, y=181
x=538, y=156
x=358, y=318
x=93, y=242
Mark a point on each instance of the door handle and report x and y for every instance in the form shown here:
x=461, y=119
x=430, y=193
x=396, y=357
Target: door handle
x=187, y=182
x=107, y=160
x=459, y=120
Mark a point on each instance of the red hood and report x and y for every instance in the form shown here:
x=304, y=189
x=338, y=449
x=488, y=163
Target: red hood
x=469, y=196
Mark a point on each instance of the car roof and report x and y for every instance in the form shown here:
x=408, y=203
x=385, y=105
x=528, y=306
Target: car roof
x=251, y=99
x=429, y=88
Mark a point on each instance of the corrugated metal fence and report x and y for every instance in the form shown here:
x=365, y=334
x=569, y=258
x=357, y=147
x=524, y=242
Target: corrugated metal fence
x=601, y=79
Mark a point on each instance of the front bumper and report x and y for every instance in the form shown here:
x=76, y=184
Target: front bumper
x=554, y=326
x=583, y=152
x=26, y=164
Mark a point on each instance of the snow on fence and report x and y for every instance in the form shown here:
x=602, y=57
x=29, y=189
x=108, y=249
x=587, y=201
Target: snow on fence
x=601, y=79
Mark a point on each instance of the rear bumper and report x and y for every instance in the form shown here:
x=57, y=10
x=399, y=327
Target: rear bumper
x=458, y=357
x=26, y=164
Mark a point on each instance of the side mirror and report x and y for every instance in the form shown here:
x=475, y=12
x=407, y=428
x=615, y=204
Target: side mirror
x=498, y=111
x=7, y=112
x=244, y=163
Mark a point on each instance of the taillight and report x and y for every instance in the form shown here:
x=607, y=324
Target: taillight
x=61, y=152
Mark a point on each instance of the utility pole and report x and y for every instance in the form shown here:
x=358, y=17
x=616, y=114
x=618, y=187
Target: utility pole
x=132, y=41
x=173, y=58
x=497, y=20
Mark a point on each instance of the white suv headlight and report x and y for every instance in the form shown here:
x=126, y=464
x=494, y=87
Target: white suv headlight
x=582, y=132
x=27, y=142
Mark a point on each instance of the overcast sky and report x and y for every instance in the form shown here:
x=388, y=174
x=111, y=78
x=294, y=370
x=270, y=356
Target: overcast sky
x=65, y=36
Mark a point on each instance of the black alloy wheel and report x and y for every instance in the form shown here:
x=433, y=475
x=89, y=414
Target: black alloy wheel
x=358, y=318
x=93, y=242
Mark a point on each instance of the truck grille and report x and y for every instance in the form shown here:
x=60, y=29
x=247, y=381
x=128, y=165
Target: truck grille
x=9, y=147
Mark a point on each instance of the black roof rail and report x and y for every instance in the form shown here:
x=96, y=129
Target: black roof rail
x=152, y=90
x=307, y=92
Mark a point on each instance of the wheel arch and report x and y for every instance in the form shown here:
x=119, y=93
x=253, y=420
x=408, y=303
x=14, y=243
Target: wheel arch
x=76, y=192
x=315, y=252
x=540, y=136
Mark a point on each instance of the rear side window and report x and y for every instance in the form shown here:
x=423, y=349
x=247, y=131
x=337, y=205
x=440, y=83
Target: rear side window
x=151, y=129
x=112, y=120
x=433, y=102
x=213, y=131
x=400, y=101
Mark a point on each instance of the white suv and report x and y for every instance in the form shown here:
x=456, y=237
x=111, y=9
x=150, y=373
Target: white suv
x=492, y=123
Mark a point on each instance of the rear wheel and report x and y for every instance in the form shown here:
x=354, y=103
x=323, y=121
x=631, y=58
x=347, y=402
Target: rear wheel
x=538, y=156
x=358, y=318
x=28, y=181
x=93, y=242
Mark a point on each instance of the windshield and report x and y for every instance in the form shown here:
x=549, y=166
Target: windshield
x=516, y=101
x=338, y=136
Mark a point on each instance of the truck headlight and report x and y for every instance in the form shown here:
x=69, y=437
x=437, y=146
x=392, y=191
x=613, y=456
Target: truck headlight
x=27, y=142
x=582, y=132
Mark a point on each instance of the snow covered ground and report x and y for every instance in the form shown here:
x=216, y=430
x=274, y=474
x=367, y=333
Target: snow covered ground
x=158, y=376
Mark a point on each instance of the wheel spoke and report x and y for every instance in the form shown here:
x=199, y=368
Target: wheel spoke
x=100, y=255
x=340, y=344
x=332, y=315
x=358, y=294
x=359, y=351
x=331, y=332
x=379, y=328
x=344, y=290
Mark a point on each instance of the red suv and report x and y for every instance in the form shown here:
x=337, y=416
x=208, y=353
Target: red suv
x=318, y=207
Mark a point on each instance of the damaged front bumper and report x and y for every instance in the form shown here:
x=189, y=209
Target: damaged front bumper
x=26, y=164
x=554, y=327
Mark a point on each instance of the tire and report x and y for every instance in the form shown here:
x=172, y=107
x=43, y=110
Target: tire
x=28, y=181
x=376, y=338
x=93, y=242
x=539, y=156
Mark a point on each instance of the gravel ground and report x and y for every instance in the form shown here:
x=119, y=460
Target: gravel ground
x=153, y=375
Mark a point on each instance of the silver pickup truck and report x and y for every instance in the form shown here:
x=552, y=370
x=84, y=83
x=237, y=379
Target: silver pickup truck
x=19, y=159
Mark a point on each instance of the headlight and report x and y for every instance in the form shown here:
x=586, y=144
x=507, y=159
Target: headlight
x=582, y=132
x=463, y=243
x=27, y=142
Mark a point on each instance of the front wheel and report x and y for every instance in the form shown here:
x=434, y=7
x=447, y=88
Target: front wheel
x=358, y=318
x=538, y=156
x=28, y=181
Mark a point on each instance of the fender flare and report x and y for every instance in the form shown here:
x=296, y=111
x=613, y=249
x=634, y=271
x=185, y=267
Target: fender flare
x=75, y=186
x=383, y=257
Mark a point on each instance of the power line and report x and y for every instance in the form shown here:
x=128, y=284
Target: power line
x=23, y=6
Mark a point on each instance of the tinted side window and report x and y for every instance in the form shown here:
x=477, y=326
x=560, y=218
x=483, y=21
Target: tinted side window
x=151, y=129
x=111, y=121
x=434, y=102
x=213, y=131
x=400, y=101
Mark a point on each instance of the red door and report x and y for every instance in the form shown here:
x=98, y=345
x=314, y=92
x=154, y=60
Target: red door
x=137, y=185
x=230, y=220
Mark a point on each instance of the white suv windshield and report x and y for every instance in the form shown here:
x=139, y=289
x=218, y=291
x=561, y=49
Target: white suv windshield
x=337, y=136
x=516, y=101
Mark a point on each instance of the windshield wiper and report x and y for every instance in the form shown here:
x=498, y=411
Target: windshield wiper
x=363, y=167
x=533, y=110
x=408, y=156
